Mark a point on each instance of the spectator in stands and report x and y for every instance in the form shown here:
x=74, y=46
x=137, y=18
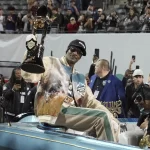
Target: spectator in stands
x=49, y=8
x=79, y=5
x=97, y=13
x=85, y=4
x=1, y=20
x=90, y=10
x=137, y=5
x=146, y=3
x=89, y=24
x=145, y=21
x=67, y=17
x=55, y=20
x=100, y=24
x=20, y=23
x=73, y=26
x=2, y=82
x=112, y=22
x=108, y=89
x=132, y=109
x=131, y=22
x=11, y=19
x=65, y=4
x=30, y=3
x=61, y=16
x=57, y=3
x=128, y=5
x=15, y=92
x=34, y=8
x=74, y=9
x=81, y=22
x=28, y=21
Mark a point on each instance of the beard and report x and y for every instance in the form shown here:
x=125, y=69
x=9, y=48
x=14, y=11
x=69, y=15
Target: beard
x=71, y=59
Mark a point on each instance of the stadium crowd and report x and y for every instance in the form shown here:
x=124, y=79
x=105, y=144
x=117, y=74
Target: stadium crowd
x=76, y=16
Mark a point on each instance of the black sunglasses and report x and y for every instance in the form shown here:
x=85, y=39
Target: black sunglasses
x=74, y=49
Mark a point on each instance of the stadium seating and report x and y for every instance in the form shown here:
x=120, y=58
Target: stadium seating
x=19, y=5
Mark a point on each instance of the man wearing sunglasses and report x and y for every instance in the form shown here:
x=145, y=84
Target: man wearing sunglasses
x=63, y=97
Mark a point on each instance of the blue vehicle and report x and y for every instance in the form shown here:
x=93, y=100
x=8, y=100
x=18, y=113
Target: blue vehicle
x=28, y=134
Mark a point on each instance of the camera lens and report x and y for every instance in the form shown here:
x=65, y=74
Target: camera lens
x=139, y=98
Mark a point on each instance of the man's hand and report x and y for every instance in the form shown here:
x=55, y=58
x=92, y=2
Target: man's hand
x=144, y=125
x=16, y=87
x=132, y=61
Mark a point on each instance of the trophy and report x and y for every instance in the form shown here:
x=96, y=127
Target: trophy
x=33, y=62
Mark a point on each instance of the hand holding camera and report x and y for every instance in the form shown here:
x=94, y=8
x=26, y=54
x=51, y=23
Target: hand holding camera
x=9, y=18
x=17, y=85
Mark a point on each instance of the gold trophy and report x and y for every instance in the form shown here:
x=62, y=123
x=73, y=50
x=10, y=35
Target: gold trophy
x=33, y=62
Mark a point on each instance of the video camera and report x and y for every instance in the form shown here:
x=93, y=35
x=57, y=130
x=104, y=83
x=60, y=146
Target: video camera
x=141, y=97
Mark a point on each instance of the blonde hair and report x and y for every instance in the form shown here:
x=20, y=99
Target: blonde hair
x=104, y=64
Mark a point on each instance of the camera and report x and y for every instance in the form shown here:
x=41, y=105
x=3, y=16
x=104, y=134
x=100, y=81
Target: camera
x=138, y=99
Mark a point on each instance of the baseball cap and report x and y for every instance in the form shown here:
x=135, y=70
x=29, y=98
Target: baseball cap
x=100, y=9
x=138, y=72
x=72, y=18
x=79, y=44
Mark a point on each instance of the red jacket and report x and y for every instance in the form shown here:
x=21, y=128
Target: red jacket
x=72, y=27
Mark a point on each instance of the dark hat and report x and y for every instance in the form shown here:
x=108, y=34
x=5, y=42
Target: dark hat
x=42, y=11
x=79, y=44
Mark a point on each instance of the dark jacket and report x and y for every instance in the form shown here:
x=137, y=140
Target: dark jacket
x=132, y=108
x=91, y=70
x=14, y=100
x=113, y=94
x=29, y=103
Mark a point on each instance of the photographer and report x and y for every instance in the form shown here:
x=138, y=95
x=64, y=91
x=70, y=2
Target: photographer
x=14, y=93
x=145, y=20
x=131, y=23
x=100, y=24
x=113, y=21
x=89, y=24
x=132, y=108
x=73, y=26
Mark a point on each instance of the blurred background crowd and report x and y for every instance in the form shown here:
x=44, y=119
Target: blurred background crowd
x=77, y=16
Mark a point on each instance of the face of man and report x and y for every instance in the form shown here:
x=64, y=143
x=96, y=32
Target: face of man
x=131, y=12
x=98, y=68
x=138, y=80
x=69, y=12
x=18, y=74
x=100, y=12
x=73, y=55
x=148, y=11
x=54, y=12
